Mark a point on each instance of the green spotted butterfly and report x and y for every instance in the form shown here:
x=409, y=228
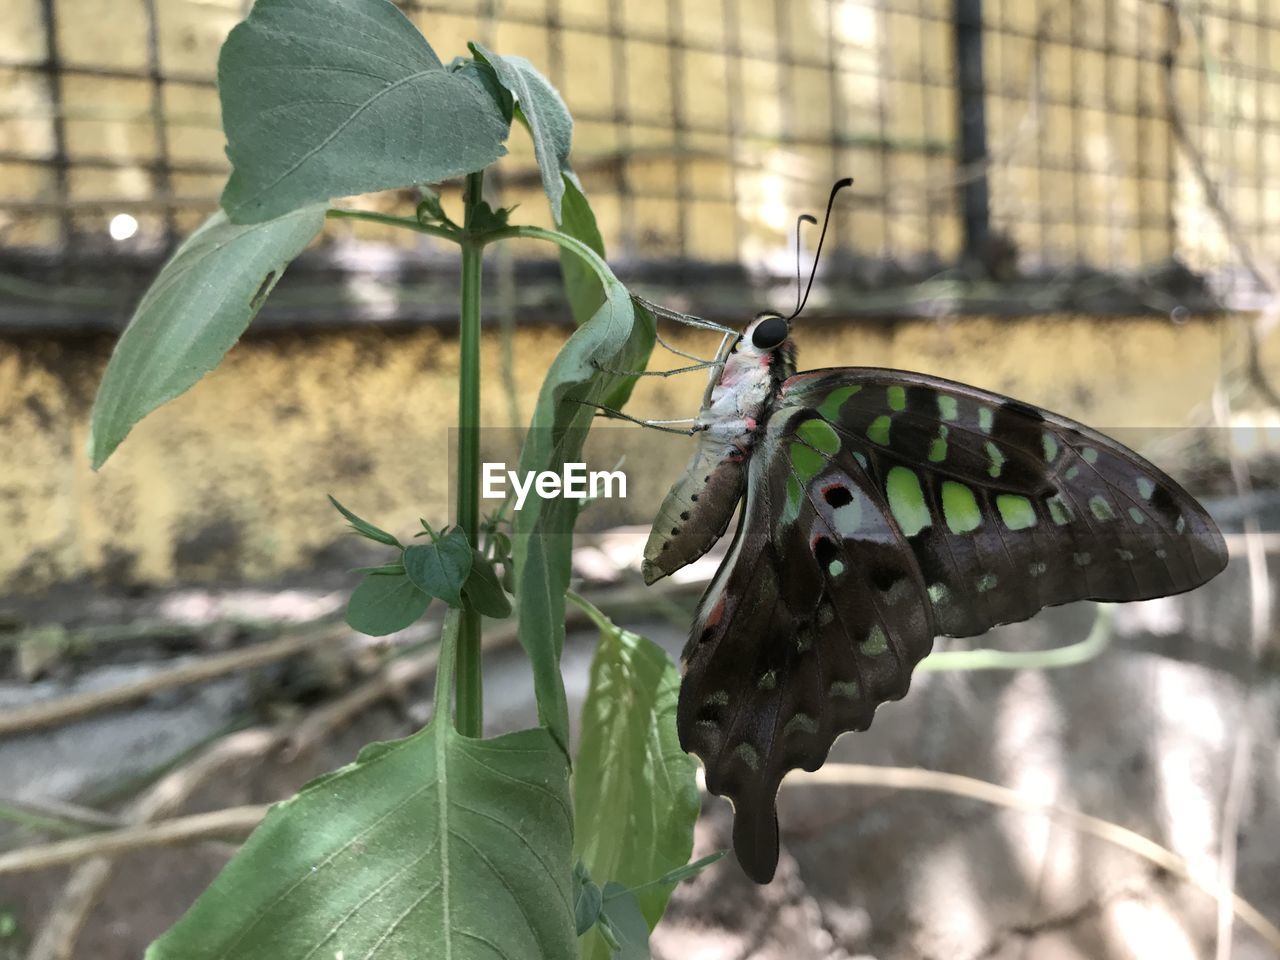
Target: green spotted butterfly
x=880, y=509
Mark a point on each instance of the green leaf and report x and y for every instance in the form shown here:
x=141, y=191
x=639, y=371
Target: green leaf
x=544, y=113
x=436, y=845
x=581, y=285
x=484, y=218
x=620, y=912
x=364, y=527
x=395, y=568
x=501, y=545
x=430, y=211
x=483, y=75
x=483, y=591
x=326, y=98
x=634, y=789
x=385, y=602
x=586, y=899
x=190, y=317
x=613, y=339
x=440, y=569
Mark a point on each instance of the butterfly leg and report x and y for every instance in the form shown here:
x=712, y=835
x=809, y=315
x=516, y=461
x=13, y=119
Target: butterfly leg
x=610, y=413
x=700, y=365
x=680, y=353
x=685, y=318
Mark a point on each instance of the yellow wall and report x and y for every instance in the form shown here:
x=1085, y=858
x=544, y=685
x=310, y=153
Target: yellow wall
x=229, y=480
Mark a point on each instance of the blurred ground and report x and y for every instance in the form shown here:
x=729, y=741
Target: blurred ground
x=1148, y=735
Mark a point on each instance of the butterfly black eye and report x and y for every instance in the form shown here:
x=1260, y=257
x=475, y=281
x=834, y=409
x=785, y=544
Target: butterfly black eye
x=769, y=333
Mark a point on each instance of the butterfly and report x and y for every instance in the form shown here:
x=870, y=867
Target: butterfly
x=879, y=509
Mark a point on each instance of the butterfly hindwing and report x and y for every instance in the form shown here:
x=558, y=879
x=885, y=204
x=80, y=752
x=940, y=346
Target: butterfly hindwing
x=1008, y=508
x=818, y=615
x=885, y=507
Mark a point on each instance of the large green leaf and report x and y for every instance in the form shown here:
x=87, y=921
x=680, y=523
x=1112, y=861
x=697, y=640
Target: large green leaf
x=634, y=790
x=544, y=112
x=581, y=285
x=432, y=846
x=195, y=310
x=325, y=98
x=613, y=339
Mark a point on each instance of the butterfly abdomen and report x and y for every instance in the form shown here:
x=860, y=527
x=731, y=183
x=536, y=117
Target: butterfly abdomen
x=697, y=510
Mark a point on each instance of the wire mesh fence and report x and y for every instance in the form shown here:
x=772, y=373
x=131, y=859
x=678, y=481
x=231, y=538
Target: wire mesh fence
x=1007, y=155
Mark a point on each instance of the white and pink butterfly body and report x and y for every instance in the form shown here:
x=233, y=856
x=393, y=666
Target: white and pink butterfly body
x=699, y=506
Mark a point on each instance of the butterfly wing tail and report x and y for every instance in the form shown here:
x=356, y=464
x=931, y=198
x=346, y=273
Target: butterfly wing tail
x=755, y=833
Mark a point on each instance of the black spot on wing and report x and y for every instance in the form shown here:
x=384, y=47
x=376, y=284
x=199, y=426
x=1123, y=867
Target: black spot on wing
x=837, y=496
x=1163, y=502
x=884, y=577
x=825, y=550
x=1019, y=408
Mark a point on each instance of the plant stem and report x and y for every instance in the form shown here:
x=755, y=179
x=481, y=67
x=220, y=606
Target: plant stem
x=1069, y=656
x=470, y=705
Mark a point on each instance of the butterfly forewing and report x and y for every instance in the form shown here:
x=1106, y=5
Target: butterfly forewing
x=1008, y=508
x=817, y=616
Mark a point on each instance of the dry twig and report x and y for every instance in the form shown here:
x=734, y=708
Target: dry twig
x=232, y=823
x=66, y=709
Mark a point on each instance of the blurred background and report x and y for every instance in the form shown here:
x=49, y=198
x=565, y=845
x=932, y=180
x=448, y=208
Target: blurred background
x=1074, y=202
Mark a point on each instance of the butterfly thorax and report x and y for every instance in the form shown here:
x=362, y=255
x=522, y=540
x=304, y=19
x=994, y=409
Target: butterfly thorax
x=697, y=511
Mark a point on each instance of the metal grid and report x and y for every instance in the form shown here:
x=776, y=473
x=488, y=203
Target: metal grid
x=1115, y=151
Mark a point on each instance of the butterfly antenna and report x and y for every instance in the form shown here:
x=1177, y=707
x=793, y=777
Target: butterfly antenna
x=826, y=220
x=803, y=218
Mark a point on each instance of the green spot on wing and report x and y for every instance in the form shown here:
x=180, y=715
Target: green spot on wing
x=835, y=568
x=847, y=689
x=906, y=501
x=1016, y=512
x=986, y=417
x=1050, y=443
x=876, y=642
x=1090, y=455
x=747, y=754
x=1101, y=508
x=801, y=722
x=807, y=461
x=987, y=581
x=768, y=680
x=959, y=507
x=795, y=496
x=938, y=446
x=997, y=459
x=1137, y=515
x=819, y=435
x=878, y=432
x=1059, y=510
x=1145, y=488
x=897, y=397
x=947, y=407
x=830, y=407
